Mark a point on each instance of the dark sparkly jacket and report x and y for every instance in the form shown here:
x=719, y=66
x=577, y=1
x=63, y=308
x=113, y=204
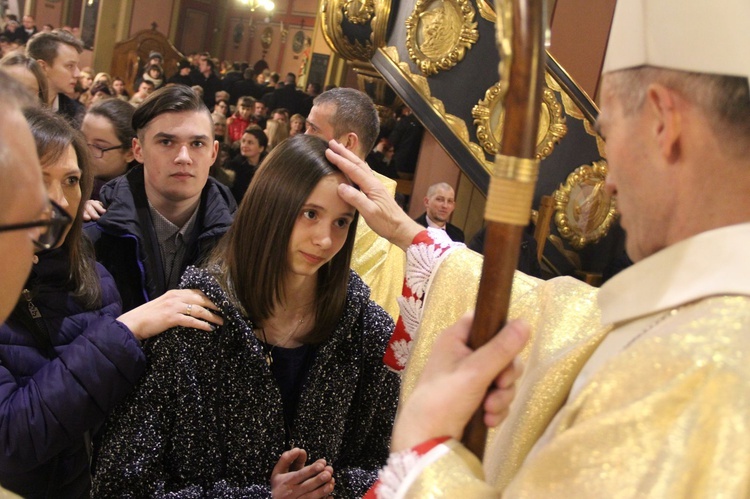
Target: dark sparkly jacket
x=207, y=418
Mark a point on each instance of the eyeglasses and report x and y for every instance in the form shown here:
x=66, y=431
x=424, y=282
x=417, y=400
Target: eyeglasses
x=53, y=226
x=98, y=151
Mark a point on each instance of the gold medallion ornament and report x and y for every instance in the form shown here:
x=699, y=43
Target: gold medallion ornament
x=355, y=44
x=359, y=11
x=584, y=211
x=488, y=117
x=438, y=33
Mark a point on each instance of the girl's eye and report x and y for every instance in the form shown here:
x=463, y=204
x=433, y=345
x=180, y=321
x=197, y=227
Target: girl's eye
x=309, y=214
x=342, y=223
x=72, y=181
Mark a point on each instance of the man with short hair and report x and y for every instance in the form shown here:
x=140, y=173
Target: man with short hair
x=350, y=117
x=29, y=27
x=144, y=90
x=168, y=213
x=281, y=114
x=58, y=53
x=439, y=203
x=207, y=79
x=646, y=394
x=259, y=114
x=24, y=206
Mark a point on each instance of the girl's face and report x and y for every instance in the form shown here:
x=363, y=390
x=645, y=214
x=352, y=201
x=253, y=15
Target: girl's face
x=118, y=86
x=100, y=134
x=245, y=111
x=250, y=148
x=297, y=126
x=86, y=81
x=62, y=179
x=321, y=228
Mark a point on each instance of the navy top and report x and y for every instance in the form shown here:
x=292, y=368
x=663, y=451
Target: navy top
x=290, y=368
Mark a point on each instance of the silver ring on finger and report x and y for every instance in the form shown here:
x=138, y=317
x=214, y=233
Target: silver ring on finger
x=189, y=311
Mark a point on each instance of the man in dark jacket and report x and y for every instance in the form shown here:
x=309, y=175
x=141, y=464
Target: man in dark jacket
x=58, y=53
x=406, y=139
x=182, y=76
x=289, y=97
x=168, y=213
x=439, y=204
x=207, y=79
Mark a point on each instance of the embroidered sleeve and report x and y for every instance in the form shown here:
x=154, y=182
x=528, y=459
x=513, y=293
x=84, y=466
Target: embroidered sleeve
x=427, y=250
x=400, y=465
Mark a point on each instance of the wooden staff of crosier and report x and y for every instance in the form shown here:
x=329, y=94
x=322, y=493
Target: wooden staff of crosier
x=520, y=30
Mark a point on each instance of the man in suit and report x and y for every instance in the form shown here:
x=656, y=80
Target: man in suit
x=439, y=204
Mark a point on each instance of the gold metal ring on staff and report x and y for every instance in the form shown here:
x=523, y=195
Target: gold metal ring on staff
x=189, y=311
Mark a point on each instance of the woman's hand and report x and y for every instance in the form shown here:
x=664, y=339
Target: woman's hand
x=373, y=201
x=176, y=307
x=93, y=210
x=291, y=479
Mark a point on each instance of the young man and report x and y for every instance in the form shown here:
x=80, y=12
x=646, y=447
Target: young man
x=207, y=78
x=145, y=89
x=168, y=213
x=350, y=117
x=644, y=395
x=58, y=53
x=439, y=204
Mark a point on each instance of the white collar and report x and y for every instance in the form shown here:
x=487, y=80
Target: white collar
x=712, y=263
x=432, y=224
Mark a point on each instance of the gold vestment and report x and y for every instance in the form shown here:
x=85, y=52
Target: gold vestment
x=666, y=415
x=378, y=262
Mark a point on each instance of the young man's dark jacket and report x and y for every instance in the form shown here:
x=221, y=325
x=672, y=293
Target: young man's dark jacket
x=125, y=240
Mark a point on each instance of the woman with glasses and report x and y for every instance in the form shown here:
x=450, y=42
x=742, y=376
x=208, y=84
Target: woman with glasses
x=66, y=357
x=290, y=397
x=109, y=134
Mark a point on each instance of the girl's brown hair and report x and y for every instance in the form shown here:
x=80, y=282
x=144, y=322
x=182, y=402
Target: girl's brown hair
x=253, y=258
x=53, y=135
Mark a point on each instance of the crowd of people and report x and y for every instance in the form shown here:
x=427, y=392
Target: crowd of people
x=167, y=333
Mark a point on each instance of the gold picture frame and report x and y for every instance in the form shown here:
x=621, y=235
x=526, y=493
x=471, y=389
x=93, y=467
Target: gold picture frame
x=584, y=211
x=439, y=32
x=488, y=119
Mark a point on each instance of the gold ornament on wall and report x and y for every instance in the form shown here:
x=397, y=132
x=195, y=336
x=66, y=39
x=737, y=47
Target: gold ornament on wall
x=369, y=13
x=359, y=11
x=266, y=38
x=584, y=211
x=438, y=33
x=488, y=117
